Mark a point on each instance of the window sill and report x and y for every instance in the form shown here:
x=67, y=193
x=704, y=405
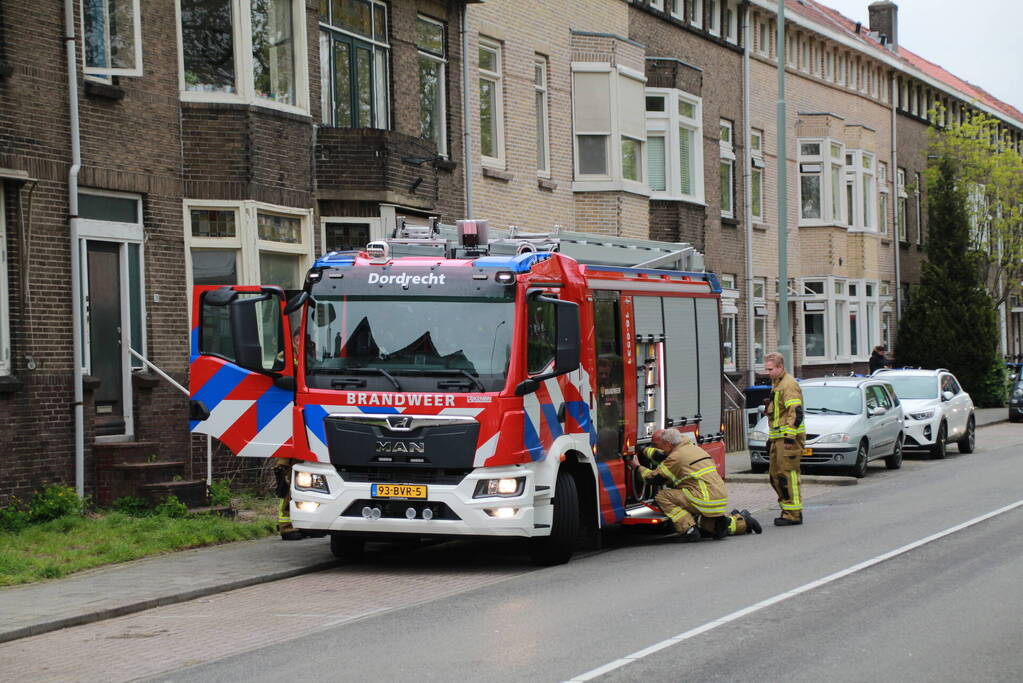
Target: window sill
x=762, y=227
x=446, y=165
x=731, y=222
x=497, y=174
x=10, y=384
x=546, y=184
x=104, y=91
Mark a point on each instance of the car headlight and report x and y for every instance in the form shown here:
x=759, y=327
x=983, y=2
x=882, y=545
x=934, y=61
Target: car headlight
x=307, y=481
x=1017, y=394
x=922, y=415
x=758, y=436
x=505, y=487
x=837, y=437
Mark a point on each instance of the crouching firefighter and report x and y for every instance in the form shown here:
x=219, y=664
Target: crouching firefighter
x=282, y=476
x=694, y=496
x=785, y=439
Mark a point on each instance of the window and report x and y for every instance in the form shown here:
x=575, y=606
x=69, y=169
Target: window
x=353, y=64
x=759, y=288
x=811, y=188
x=347, y=234
x=111, y=38
x=903, y=202
x=542, y=344
x=728, y=341
x=695, y=12
x=674, y=151
x=491, y=119
x=759, y=339
x=731, y=22
x=727, y=280
x=713, y=17
x=5, y=328
x=861, y=190
x=657, y=4
x=757, y=175
x=246, y=50
x=676, y=9
x=247, y=243
x=764, y=40
x=632, y=160
x=430, y=40
x=919, y=208
x=813, y=330
x=829, y=65
x=727, y=169
x=882, y=206
x=840, y=318
x=542, y=116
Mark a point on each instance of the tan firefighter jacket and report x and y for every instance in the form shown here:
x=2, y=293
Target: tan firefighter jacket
x=785, y=412
x=691, y=469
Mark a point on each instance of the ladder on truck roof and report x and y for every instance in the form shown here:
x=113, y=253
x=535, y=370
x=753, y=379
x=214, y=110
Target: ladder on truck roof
x=470, y=239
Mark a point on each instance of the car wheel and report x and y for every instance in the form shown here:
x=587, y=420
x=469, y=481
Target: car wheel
x=969, y=440
x=558, y=547
x=1014, y=418
x=859, y=470
x=939, y=446
x=894, y=461
x=344, y=547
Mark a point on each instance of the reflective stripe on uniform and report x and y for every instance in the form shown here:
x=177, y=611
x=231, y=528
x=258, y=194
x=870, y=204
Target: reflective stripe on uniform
x=793, y=402
x=666, y=472
x=283, y=512
x=706, y=505
x=675, y=513
x=797, y=499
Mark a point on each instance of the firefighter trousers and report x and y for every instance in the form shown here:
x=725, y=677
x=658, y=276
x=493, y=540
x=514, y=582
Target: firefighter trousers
x=282, y=471
x=684, y=513
x=784, y=473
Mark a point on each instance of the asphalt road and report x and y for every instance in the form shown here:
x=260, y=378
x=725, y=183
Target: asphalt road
x=828, y=600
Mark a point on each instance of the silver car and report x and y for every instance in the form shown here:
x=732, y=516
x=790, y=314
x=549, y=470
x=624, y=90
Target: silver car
x=849, y=422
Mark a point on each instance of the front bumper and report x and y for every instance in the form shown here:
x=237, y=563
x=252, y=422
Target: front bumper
x=455, y=511
x=820, y=456
x=920, y=433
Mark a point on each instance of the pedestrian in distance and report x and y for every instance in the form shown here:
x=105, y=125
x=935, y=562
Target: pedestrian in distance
x=694, y=496
x=785, y=439
x=878, y=359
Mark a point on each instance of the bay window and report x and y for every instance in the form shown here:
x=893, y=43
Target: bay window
x=610, y=129
x=674, y=149
x=841, y=319
x=861, y=190
x=354, y=52
x=244, y=50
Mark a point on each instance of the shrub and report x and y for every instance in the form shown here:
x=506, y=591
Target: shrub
x=13, y=517
x=130, y=505
x=171, y=507
x=220, y=493
x=53, y=502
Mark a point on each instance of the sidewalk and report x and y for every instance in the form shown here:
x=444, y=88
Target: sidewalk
x=167, y=579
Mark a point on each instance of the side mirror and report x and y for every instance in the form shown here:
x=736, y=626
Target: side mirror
x=296, y=302
x=947, y=396
x=245, y=332
x=875, y=411
x=527, y=386
x=566, y=358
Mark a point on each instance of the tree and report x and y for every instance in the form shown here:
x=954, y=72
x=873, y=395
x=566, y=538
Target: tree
x=990, y=171
x=951, y=321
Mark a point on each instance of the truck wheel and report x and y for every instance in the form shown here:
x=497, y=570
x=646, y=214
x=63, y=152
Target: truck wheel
x=967, y=443
x=894, y=461
x=346, y=547
x=938, y=449
x=558, y=547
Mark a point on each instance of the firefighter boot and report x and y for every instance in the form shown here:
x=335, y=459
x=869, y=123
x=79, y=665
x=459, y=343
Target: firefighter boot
x=785, y=521
x=721, y=527
x=752, y=525
x=690, y=535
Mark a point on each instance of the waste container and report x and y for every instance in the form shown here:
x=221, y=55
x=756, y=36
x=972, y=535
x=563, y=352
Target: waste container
x=755, y=396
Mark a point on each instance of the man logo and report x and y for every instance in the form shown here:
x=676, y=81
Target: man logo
x=400, y=424
x=401, y=447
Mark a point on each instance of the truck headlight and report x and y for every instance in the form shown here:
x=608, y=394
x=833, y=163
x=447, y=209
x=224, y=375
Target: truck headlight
x=922, y=415
x=307, y=481
x=837, y=437
x=505, y=487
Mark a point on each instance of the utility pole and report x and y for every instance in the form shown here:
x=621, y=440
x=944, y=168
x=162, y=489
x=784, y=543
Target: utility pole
x=784, y=345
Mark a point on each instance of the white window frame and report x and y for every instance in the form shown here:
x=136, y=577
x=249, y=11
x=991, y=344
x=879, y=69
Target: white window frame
x=677, y=9
x=376, y=229
x=759, y=340
x=657, y=4
x=241, y=29
x=760, y=282
x=497, y=79
x=727, y=280
x=757, y=170
x=883, y=197
x=695, y=12
x=246, y=242
x=919, y=209
x=668, y=124
x=731, y=21
x=6, y=363
x=902, y=205
x=861, y=175
x=729, y=366
x=727, y=154
x=714, y=17
x=380, y=79
x=824, y=164
x=442, y=62
x=838, y=306
x=104, y=73
x=541, y=66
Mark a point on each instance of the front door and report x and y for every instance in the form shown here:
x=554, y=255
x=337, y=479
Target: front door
x=106, y=361
x=610, y=376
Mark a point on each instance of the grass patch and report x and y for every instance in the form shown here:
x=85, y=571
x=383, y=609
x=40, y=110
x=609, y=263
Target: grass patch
x=69, y=544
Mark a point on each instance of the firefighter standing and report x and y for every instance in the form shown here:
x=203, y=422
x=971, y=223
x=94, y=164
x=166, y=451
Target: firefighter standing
x=693, y=489
x=785, y=439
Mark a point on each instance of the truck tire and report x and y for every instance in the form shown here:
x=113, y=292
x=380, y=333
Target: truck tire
x=345, y=547
x=558, y=547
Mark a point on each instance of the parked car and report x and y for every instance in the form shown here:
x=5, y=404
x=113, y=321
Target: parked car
x=849, y=422
x=937, y=409
x=1016, y=400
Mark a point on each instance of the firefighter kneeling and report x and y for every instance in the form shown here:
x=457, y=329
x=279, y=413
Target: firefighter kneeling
x=694, y=496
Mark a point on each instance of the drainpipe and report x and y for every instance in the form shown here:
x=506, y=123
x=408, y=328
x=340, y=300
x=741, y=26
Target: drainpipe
x=748, y=173
x=466, y=113
x=76, y=254
x=895, y=212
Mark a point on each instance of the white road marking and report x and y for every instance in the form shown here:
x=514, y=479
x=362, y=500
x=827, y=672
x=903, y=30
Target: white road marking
x=692, y=633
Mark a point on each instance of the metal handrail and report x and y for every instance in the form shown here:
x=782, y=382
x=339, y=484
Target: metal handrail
x=737, y=390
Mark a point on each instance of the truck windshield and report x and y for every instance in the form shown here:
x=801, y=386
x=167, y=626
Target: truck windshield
x=409, y=343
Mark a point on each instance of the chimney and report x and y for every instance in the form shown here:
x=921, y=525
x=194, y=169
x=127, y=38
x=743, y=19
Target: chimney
x=884, y=19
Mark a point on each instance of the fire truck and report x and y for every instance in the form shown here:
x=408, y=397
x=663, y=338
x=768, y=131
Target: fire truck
x=443, y=383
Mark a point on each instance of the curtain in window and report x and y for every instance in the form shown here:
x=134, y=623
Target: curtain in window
x=655, y=163
x=685, y=165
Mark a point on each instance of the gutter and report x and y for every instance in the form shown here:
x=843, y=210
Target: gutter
x=747, y=171
x=466, y=112
x=894, y=180
x=76, y=254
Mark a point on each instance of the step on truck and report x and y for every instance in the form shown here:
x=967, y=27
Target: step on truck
x=444, y=384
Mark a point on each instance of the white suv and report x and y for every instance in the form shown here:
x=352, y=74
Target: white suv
x=937, y=410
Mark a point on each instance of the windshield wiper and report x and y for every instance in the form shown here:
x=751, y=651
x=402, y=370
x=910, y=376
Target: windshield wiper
x=366, y=371
x=832, y=410
x=445, y=371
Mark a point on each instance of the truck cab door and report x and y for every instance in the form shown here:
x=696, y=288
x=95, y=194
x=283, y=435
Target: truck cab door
x=242, y=369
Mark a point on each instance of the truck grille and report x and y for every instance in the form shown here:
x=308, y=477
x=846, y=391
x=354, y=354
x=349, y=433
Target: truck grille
x=402, y=448
x=403, y=475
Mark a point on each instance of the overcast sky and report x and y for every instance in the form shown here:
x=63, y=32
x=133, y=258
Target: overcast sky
x=980, y=41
